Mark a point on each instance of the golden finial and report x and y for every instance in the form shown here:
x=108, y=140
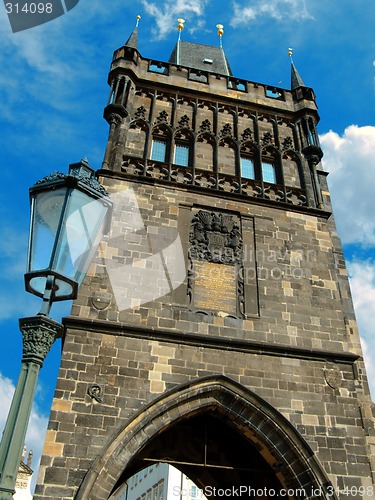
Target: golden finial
x=137, y=18
x=180, y=25
x=220, y=32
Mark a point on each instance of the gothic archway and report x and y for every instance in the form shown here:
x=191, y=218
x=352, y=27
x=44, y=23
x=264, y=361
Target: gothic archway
x=270, y=452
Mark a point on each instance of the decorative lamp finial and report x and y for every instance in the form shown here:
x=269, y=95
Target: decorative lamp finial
x=137, y=18
x=220, y=32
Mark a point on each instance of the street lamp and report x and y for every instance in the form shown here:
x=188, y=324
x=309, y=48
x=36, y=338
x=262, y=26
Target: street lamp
x=69, y=214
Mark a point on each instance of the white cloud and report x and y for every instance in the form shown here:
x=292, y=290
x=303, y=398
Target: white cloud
x=350, y=160
x=14, y=300
x=166, y=14
x=275, y=9
x=362, y=283
x=37, y=425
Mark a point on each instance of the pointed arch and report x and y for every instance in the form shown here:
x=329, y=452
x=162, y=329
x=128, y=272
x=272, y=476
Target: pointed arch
x=184, y=133
x=162, y=129
x=249, y=162
x=183, y=146
x=292, y=169
x=271, y=165
x=161, y=143
x=137, y=137
x=205, y=147
x=256, y=420
x=227, y=155
x=141, y=123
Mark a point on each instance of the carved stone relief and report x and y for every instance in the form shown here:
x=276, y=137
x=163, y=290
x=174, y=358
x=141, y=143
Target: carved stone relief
x=216, y=238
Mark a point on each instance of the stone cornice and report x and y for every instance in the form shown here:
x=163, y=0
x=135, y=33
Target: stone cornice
x=208, y=341
x=223, y=194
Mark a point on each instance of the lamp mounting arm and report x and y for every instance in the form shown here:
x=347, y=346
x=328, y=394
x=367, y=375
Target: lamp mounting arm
x=48, y=296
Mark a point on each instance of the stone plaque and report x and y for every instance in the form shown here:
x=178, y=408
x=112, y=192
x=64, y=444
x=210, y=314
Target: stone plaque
x=215, y=286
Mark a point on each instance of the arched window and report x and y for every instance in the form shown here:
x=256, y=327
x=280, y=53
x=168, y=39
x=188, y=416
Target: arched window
x=182, y=152
x=161, y=143
x=181, y=155
x=269, y=172
x=270, y=166
x=247, y=167
x=159, y=150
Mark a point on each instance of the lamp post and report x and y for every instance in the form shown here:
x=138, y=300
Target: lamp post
x=69, y=214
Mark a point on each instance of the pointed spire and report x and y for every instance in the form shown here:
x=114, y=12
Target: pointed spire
x=295, y=80
x=133, y=39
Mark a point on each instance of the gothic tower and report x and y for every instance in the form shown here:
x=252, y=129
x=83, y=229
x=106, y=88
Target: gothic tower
x=215, y=330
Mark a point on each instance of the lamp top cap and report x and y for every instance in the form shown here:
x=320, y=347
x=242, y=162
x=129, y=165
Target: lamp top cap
x=80, y=175
x=81, y=169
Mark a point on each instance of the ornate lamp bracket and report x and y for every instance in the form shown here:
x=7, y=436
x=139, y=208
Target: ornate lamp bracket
x=39, y=333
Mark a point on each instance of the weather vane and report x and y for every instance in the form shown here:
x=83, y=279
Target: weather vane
x=220, y=32
x=180, y=26
x=290, y=53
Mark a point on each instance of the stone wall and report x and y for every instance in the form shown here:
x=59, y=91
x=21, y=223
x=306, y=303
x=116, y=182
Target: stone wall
x=296, y=346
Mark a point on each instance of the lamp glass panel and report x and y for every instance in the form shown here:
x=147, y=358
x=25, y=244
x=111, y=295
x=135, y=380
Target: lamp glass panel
x=80, y=235
x=46, y=216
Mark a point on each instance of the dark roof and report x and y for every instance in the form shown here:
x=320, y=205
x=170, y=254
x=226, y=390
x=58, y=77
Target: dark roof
x=296, y=80
x=201, y=57
x=133, y=39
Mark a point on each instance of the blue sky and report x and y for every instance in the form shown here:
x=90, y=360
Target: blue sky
x=53, y=88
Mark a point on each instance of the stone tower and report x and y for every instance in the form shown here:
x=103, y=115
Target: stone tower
x=215, y=329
